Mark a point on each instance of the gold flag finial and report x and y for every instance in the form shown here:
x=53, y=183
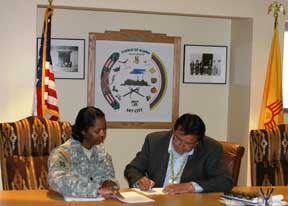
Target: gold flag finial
x=277, y=8
x=50, y=2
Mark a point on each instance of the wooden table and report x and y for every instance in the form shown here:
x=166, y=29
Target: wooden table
x=47, y=198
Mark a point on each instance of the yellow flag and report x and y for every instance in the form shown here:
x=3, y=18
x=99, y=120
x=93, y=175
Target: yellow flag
x=272, y=107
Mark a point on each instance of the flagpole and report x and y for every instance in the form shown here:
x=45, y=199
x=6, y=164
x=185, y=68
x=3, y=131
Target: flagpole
x=271, y=113
x=46, y=95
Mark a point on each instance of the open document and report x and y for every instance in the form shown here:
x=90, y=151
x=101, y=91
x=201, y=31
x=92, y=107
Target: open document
x=128, y=197
x=152, y=191
x=80, y=199
x=134, y=197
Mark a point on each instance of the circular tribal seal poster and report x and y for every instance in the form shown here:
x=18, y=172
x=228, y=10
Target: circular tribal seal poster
x=133, y=80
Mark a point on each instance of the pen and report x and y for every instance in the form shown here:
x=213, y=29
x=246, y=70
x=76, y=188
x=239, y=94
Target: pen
x=151, y=184
x=269, y=195
x=261, y=192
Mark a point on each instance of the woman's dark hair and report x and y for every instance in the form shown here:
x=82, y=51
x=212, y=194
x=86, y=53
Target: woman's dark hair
x=191, y=124
x=86, y=118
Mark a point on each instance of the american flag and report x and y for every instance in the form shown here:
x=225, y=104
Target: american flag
x=45, y=95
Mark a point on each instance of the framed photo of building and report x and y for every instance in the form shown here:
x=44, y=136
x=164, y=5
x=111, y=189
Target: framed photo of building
x=204, y=64
x=68, y=57
x=134, y=78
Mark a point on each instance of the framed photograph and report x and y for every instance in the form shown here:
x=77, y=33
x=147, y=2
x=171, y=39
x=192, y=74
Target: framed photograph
x=68, y=57
x=205, y=64
x=134, y=78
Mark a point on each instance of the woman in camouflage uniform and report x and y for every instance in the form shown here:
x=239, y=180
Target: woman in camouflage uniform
x=80, y=167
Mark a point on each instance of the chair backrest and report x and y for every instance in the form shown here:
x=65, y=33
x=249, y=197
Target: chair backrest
x=269, y=156
x=24, y=151
x=232, y=155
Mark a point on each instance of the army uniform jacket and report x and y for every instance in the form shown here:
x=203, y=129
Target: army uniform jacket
x=73, y=174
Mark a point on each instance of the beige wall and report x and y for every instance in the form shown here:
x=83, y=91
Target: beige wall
x=209, y=101
x=18, y=33
x=239, y=87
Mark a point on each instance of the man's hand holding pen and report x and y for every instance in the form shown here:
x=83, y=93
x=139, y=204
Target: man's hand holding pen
x=145, y=183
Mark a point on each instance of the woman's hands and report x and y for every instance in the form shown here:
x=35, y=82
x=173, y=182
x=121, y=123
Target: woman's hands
x=110, y=190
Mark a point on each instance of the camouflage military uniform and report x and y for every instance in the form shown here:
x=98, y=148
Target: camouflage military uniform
x=73, y=174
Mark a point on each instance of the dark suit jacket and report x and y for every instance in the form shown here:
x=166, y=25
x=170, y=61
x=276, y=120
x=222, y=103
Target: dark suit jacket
x=204, y=167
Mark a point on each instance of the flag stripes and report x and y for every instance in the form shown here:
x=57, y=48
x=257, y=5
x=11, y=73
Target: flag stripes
x=46, y=103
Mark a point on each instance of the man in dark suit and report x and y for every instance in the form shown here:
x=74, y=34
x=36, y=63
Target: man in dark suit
x=182, y=160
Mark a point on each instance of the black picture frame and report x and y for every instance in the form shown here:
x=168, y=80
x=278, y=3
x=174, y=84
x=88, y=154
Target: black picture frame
x=204, y=64
x=68, y=57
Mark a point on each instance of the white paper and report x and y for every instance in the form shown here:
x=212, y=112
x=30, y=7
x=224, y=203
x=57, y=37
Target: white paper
x=134, y=197
x=277, y=198
x=80, y=199
x=143, y=104
x=152, y=191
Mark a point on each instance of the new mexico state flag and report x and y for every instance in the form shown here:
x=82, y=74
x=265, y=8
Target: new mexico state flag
x=271, y=112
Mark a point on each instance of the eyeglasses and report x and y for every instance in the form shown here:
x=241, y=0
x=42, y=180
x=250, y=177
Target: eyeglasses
x=178, y=140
